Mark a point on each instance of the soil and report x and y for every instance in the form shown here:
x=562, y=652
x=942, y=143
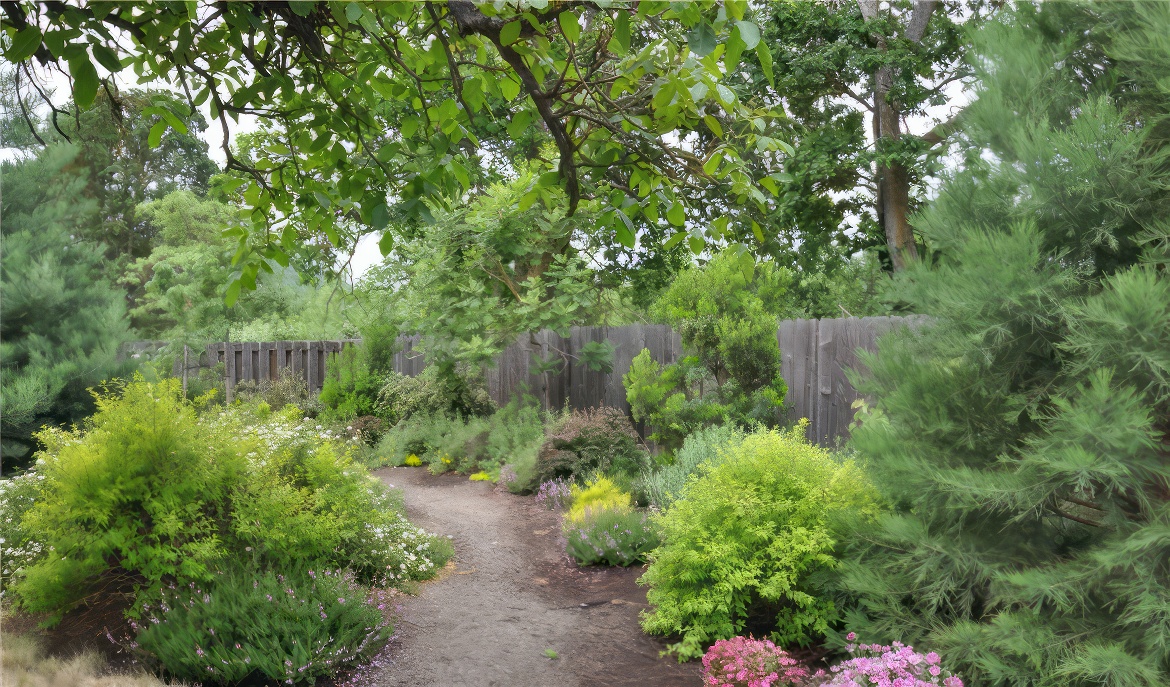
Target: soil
x=510, y=595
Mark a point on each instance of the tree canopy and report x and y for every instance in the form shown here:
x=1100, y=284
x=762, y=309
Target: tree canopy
x=380, y=108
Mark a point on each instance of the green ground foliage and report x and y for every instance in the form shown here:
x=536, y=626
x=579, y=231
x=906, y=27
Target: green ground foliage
x=743, y=540
x=1021, y=434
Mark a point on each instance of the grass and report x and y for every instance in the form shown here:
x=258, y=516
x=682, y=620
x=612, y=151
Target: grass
x=24, y=664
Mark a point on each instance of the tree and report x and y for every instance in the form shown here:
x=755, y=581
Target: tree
x=847, y=75
x=63, y=322
x=383, y=106
x=1022, y=435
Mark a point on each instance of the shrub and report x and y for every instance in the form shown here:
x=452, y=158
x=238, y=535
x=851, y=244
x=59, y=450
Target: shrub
x=149, y=492
x=874, y=665
x=291, y=627
x=480, y=476
x=439, y=390
x=749, y=662
x=592, y=441
x=289, y=388
x=412, y=461
x=610, y=536
x=515, y=429
x=366, y=430
x=662, y=485
x=554, y=494
x=18, y=547
x=350, y=388
x=600, y=494
x=742, y=541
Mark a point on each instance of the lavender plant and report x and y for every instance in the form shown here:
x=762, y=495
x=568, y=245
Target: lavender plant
x=610, y=537
x=554, y=494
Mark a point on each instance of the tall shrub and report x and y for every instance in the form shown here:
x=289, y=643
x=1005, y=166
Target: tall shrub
x=1022, y=435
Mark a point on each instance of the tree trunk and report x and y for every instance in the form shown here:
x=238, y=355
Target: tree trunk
x=893, y=197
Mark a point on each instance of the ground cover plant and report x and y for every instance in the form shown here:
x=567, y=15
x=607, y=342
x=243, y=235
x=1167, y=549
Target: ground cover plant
x=742, y=542
x=153, y=498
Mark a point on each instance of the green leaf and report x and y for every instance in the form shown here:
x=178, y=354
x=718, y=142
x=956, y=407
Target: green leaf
x=519, y=123
x=786, y=147
x=302, y=8
x=154, y=138
x=85, y=80
x=725, y=94
x=380, y=217
x=386, y=244
x=674, y=240
x=509, y=88
x=765, y=56
x=527, y=200
x=702, y=40
x=510, y=33
x=233, y=293
x=621, y=33
x=758, y=232
x=676, y=215
x=624, y=235
x=24, y=44
x=749, y=33
x=713, y=125
x=353, y=11
x=322, y=199
x=106, y=58
x=712, y=164
x=570, y=27
x=697, y=244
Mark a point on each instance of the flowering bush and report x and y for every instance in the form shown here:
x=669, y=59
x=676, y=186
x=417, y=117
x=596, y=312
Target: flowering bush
x=875, y=665
x=18, y=547
x=292, y=627
x=610, y=537
x=748, y=662
x=554, y=494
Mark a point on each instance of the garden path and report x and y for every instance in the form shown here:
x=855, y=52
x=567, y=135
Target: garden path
x=512, y=594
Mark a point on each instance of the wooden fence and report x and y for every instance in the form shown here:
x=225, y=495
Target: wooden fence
x=815, y=355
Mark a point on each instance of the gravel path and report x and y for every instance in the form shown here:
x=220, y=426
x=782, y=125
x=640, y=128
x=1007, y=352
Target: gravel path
x=511, y=595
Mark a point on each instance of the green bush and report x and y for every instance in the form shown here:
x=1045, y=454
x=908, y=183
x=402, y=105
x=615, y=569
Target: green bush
x=588, y=442
x=350, y=388
x=289, y=388
x=610, y=537
x=740, y=544
x=598, y=495
x=662, y=485
x=291, y=627
x=149, y=492
x=726, y=313
x=439, y=390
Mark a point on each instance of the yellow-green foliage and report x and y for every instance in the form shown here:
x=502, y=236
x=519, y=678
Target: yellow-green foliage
x=480, y=476
x=600, y=494
x=412, y=461
x=744, y=538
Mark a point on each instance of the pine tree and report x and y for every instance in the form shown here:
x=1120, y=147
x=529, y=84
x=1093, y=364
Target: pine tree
x=1022, y=434
x=61, y=322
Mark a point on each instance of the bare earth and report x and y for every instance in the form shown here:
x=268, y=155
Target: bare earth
x=511, y=595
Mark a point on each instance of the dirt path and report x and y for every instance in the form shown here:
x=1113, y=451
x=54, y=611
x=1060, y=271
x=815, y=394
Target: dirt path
x=512, y=595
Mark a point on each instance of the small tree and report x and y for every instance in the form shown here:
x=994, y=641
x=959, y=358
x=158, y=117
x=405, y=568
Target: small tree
x=726, y=315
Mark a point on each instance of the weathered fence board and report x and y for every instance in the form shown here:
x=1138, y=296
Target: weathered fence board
x=815, y=355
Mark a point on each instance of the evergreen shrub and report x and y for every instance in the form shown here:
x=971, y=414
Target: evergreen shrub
x=742, y=542
x=291, y=627
x=587, y=442
x=662, y=484
x=1022, y=435
x=350, y=388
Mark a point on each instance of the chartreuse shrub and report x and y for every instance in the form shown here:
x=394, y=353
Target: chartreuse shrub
x=1022, y=433
x=744, y=539
x=150, y=498
x=599, y=494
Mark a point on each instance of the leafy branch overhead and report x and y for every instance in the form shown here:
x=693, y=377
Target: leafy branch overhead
x=383, y=110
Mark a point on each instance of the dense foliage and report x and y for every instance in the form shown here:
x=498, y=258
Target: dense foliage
x=1021, y=435
x=154, y=497
x=726, y=312
x=664, y=483
x=588, y=442
x=740, y=544
x=610, y=537
x=63, y=320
